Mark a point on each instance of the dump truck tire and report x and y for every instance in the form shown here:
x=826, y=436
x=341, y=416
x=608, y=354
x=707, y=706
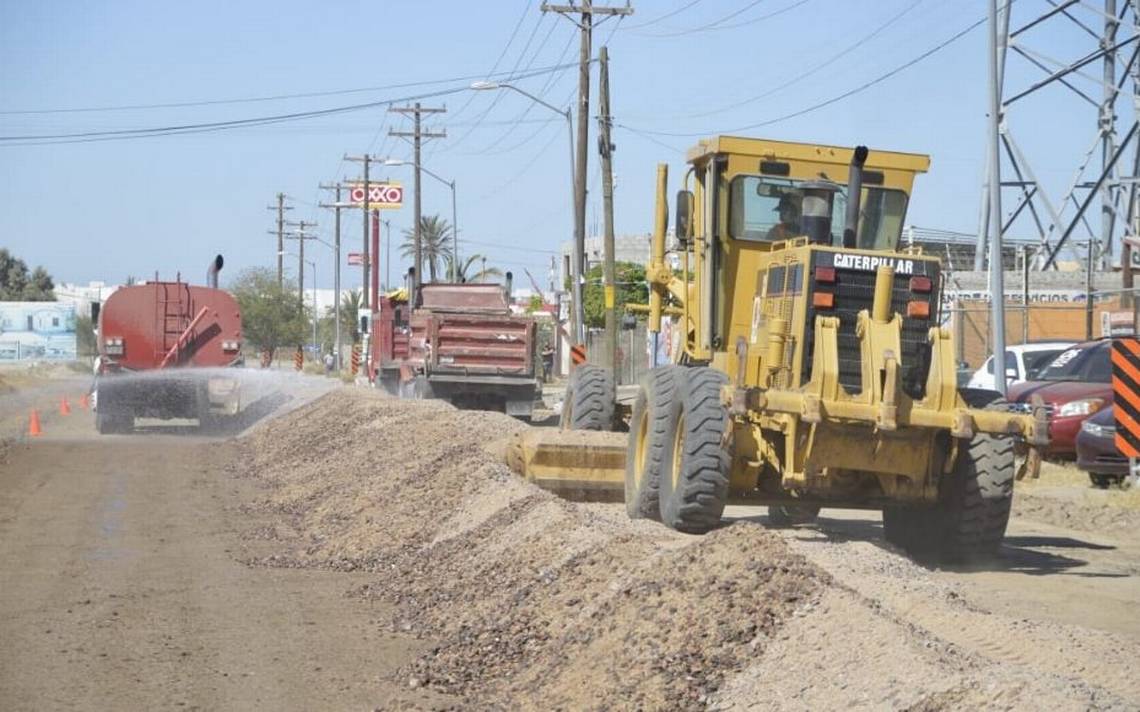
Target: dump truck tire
x=589, y=401
x=694, y=483
x=651, y=433
x=787, y=515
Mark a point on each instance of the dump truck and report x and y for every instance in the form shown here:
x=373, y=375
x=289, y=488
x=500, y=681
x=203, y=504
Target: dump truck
x=812, y=369
x=460, y=343
x=164, y=352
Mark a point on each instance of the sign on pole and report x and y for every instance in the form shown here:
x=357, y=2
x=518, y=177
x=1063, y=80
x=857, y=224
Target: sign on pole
x=382, y=196
x=356, y=258
x=1126, y=395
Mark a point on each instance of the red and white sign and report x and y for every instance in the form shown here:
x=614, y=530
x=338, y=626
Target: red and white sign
x=356, y=258
x=382, y=196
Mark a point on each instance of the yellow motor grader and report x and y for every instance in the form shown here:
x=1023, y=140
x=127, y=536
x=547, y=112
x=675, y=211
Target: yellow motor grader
x=811, y=365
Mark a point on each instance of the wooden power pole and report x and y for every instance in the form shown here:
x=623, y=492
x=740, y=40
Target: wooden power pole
x=417, y=137
x=281, y=207
x=606, y=149
x=586, y=11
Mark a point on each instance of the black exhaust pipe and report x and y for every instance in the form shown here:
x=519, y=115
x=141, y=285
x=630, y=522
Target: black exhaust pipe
x=854, y=194
x=212, y=272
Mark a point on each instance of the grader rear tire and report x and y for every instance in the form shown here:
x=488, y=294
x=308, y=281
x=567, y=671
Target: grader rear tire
x=651, y=433
x=694, y=482
x=589, y=401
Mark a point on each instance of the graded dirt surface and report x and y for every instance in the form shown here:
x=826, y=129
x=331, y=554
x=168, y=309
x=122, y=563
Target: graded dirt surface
x=361, y=552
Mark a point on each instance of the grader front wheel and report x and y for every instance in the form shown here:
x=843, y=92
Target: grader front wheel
x=973, y=510
x=651, y=433
x=694, y=481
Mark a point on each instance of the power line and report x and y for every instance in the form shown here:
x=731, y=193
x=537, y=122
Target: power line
x=666, y=16
x=91, y=136
x=815, y=107
x=811, y=72
x=519, y=119
x=275, y=97
x=499, y=95
x=503, y=53
x=718, y=25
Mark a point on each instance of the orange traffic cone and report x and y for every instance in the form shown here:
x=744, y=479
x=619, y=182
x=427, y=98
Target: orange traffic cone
x=85, y=402
x=64, y=406
x=34, y=425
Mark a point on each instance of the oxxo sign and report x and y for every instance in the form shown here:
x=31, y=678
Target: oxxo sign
x=383, y=196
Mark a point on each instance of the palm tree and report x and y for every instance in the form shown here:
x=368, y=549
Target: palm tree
x=468, y=263
x=435, y=239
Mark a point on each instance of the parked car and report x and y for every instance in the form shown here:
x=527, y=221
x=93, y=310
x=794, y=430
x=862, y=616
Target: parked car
x=1023, y=362
x=1096, y=450
x=1076, y=385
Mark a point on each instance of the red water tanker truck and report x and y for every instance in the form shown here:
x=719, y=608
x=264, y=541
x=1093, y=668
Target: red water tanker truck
x=163, y=348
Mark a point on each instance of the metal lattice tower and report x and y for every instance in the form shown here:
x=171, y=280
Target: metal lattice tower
x=1103, y=80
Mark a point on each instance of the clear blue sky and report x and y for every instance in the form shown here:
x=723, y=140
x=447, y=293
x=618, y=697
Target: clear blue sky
x=109, y=209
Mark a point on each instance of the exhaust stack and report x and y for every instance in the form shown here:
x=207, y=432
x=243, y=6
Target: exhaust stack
x=854, y=194
x=212, y=272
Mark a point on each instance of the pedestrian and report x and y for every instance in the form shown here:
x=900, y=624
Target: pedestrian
x=547, y=361
x=329, y=361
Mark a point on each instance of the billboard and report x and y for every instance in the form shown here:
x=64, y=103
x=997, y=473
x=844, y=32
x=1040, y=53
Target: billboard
x=37, y=331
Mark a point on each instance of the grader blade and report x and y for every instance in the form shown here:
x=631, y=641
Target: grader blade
x=579, y=465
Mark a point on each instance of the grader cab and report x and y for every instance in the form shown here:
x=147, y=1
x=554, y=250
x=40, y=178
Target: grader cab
x=812, y=371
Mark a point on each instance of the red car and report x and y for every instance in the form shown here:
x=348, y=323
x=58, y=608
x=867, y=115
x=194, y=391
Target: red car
x=1077, y=384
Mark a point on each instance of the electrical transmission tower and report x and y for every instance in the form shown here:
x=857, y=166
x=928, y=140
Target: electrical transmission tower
x=1062, y=212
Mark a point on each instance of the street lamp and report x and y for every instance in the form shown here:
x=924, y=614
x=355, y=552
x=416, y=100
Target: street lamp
x=313, y=265
x=454, y=220
x=579, y=226
x=336, y=293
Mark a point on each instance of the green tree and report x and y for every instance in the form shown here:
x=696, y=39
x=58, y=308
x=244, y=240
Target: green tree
x=18, y=285
x=435, y=243
x=272, y=316
x=86, y=343
x=464, y=271
x=630, y=287
x=350, y=305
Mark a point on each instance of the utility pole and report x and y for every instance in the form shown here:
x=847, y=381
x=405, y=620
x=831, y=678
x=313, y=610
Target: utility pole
x=587, y=11
x=366, y=265
x=300, y=236
x=281, y=207
x=417, y=137
x=997, y=286
x=606, y=149
x=337, y=207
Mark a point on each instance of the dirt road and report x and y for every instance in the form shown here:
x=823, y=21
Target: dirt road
x=125, y=588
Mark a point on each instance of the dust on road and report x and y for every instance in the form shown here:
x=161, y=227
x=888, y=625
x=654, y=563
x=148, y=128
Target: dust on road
x=124, y=587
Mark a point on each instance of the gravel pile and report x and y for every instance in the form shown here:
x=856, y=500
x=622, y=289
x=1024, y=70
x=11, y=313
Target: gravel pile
x=527, y=601
x=532, y=601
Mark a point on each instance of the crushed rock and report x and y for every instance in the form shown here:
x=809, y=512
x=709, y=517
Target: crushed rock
x=533, y=601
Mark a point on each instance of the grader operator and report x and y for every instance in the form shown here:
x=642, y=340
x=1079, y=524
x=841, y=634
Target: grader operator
x=812, y=371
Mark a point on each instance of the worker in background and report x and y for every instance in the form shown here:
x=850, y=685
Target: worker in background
x=789, y=225
x=547, y=361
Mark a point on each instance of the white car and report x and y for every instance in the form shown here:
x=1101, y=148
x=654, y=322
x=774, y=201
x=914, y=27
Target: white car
x=1023, y=362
